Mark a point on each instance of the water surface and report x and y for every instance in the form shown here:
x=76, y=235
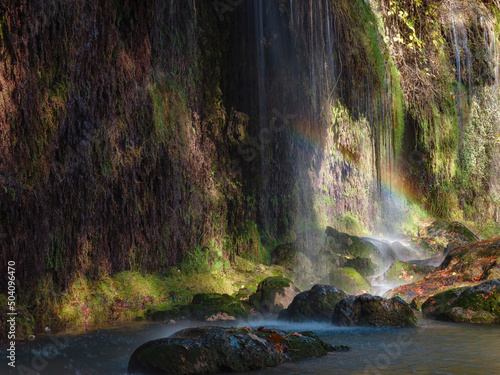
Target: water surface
x=433, y=348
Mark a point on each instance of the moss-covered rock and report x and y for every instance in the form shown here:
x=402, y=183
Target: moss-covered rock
x=364, y=266
x=368, y=310
x=465, y=266
x=478, y=304
x=447, y=236
x=213, y=349
x=349, y=280
x=352, y=246
x=316, y=304
x=207, y=305
x=405, y=273
x=273, y=295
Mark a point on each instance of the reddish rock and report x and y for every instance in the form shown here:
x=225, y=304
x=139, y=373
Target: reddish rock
x=465, y=266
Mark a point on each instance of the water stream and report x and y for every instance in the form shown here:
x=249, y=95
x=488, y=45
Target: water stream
x=433, y=348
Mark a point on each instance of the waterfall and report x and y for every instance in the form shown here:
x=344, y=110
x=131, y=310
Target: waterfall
x=335, y=149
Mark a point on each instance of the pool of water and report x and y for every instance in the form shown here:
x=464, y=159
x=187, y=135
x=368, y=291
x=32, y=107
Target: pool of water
x=433, y=348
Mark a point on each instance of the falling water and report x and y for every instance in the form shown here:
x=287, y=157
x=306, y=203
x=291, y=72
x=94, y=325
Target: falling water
x=301, y=75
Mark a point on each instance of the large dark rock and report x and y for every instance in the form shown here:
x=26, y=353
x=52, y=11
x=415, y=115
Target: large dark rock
x=478, y=304
x=316, y=304
x=209, y=350
x=368, y=310
x=273, y=295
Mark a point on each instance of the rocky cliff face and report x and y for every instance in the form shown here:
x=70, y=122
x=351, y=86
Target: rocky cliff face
x=132, y=134
x=112, y=136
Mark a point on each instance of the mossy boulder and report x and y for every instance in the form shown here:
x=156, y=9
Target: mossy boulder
x=273, y=295
x=349, y=280
x=207, y=305
x=477, y=304
x=316, y=304
x=446, y=236
x=364, y=266
x=401, y=273
x=348, y=246
x=209, y=350
x=465, y=266
x=368, y=310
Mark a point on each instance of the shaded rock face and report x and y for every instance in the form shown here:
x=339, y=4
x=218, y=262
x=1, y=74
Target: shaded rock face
x=316, y=304
x=210, y=350
x=368, y=310
x=478, y=304
x=464, y=266
x=273, y=295
x=446, y=236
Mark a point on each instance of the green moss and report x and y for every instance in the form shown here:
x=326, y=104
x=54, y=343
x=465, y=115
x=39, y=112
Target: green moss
x=490, y=229
x=364, y=266
x=25, y=324
x=404, y=273
x=479, y=304
x=349, y=280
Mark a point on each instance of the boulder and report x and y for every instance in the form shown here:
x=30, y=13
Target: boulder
x=404, y=253
x=273, y=295
x=384, y=248
x=205, y=306
x=316, y=304
x=477, y=304
x=349, y=280
x=447, y=236
x=401, y=273
x=465, y=266
x=364, y=266
x=349, y=246
x=208, y=350
x=368, y=310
